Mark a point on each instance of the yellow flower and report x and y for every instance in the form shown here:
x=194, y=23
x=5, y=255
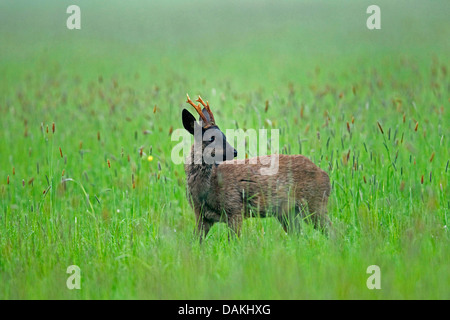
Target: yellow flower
x=150, y=158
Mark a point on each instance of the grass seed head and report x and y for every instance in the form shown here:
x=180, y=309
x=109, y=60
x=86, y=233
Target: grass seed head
x=432, y=157
x=380, y=127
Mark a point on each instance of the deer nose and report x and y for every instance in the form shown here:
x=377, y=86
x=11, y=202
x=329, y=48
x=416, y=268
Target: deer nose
x=235, y=153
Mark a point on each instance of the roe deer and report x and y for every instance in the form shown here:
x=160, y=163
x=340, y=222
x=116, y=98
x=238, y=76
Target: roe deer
x=222, y=189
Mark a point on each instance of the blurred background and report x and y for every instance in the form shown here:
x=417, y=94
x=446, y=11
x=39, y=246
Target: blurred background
x=86, y=116
x=185, y=36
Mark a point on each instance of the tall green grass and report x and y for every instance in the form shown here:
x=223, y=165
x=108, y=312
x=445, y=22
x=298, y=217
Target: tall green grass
x=369, y=107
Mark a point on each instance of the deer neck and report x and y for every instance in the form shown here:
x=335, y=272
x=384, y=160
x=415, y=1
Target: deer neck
x=198, y=174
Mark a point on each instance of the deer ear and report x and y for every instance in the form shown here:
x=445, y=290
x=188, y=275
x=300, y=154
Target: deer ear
x=205, y=112
x=188, y=121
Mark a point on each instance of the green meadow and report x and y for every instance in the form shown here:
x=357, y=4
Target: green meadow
x=87, y=177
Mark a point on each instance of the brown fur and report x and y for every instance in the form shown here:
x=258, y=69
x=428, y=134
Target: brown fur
x=228, y=192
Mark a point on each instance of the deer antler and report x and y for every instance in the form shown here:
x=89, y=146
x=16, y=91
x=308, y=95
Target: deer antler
x=206, y=105
x=197, y=108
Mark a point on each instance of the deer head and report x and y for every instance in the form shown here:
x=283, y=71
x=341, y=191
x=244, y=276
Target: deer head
x=209, y=141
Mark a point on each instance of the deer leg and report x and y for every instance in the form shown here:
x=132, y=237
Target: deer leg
x=203, y=225
x=284, y=223
x=203, y=228
x=235, y=223
x=320, y=218
x=289, y=217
